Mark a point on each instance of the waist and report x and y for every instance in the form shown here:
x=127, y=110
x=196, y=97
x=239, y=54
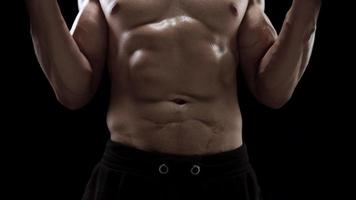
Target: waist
x=128, y=159
x=195, y=128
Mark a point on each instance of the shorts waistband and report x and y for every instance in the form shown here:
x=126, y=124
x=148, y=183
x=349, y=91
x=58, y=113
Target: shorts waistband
x=121, y=157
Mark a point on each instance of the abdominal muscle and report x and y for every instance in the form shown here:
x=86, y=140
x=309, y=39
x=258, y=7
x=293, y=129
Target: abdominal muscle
x=164, y=126
x=174, y=91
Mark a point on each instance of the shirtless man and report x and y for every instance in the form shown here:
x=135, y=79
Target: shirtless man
x=174, y=116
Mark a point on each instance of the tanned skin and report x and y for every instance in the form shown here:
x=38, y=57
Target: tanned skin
x=172, y=64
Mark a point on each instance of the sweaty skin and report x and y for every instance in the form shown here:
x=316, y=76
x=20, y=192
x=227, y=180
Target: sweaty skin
x=172, y=64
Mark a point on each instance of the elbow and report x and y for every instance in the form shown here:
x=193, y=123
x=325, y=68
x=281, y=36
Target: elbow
x=72, y=105
x=274, y=102
x=274, y=99
x=72, y=102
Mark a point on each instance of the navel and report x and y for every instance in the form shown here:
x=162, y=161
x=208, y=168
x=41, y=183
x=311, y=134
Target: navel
x=179, y=101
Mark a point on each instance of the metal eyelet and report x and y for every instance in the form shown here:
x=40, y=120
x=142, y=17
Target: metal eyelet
x=163, y=169
x=195, y=170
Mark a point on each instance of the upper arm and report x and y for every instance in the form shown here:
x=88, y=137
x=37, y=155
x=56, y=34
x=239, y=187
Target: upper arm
x=90, y=33
x=256, y=35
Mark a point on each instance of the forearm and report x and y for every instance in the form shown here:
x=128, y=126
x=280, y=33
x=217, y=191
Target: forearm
x=65, y=66
x=284, y=63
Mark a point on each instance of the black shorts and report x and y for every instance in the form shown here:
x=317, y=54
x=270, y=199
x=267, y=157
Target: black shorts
x=127, y=173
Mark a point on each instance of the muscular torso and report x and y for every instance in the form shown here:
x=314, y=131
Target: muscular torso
x=172, y=65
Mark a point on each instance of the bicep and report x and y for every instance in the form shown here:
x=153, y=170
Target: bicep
x=90, y=33
x=256, y=35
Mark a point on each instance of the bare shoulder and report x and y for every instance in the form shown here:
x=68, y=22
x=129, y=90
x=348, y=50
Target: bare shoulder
x=256, y=26
x=89, y=10
x=90, y=29
x=255, y=11
x=259, y=3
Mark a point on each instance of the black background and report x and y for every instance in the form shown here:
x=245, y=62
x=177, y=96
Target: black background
x=301, y=151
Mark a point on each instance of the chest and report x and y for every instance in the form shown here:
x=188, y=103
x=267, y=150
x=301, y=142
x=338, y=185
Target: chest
x=217, y=15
